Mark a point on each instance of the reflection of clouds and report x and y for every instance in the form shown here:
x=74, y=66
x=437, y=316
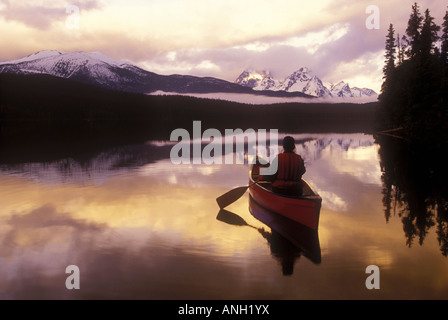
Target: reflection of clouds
x=340, y=179
x=37, y=245
x=127, y=230
x=46, y=217
x=123, y=204
x=378, y=256
x=197, y=176
x=361, y=163
x=338, y=166
x=143, y=236
x=332, y=201
x=148, y=272
x=40, y=227
x=347, y=152
x=159, y=215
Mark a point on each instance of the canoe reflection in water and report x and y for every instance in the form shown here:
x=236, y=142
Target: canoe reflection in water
x=288, y=240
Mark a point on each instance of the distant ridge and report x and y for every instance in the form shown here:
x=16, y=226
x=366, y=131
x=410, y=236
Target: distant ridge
x=302, y=81
x=98, y=69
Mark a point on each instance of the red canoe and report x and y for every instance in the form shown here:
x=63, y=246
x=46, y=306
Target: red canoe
x=304, y=209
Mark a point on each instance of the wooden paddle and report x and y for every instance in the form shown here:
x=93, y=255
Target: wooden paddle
x=232, y=218
x=231, y=196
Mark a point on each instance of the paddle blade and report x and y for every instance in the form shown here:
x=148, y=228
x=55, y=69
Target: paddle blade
x=230, y=218
x=231, y=196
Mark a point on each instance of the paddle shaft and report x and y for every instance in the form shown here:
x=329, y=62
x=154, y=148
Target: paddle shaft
x=233, y=195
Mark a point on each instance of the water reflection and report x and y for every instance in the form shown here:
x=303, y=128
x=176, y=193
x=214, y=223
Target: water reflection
x=287, y=240
x=139, y=227
x=414, y=179
x=288, y=233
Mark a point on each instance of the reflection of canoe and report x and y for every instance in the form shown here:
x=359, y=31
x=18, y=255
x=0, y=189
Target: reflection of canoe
x=304, y=209
x=302, y=237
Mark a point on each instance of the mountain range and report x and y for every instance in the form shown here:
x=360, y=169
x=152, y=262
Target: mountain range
x=98, y=69
x=302, y=81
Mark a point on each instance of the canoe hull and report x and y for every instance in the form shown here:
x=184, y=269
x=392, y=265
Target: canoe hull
x=303, y=209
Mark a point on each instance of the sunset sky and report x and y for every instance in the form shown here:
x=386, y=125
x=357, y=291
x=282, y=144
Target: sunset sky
x=218, y=38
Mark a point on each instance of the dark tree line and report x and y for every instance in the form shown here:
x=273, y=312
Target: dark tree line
x=414, y=91
x=42, y=116
x=413, y=124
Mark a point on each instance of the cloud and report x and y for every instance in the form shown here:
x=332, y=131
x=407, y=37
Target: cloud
x=282, y=55
x=41, y=14
x=323, y=51
x=219, y=38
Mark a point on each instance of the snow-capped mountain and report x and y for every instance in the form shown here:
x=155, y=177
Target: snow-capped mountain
x=341, y=89
x=303, y=81
x=89, y=67
x=360, y=92
x=98, y=69
x=257, y=80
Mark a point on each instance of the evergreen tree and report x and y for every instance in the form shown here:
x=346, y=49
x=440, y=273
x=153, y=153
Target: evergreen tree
x=388, y=96
x=413, y=90
x=413, y=31
x=444, y=56
x=390, y=52
x=428, y=36
x=444, y=39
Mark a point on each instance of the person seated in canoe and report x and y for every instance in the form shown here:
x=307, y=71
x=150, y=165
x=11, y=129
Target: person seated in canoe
x=290, y=168
x=256, y=168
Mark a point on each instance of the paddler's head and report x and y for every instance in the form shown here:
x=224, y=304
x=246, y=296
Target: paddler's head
x=289, y=144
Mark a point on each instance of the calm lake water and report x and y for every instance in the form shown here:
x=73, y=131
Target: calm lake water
x=139, y=227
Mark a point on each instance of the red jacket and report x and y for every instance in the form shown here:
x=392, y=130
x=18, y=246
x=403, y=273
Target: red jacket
x=290, y=170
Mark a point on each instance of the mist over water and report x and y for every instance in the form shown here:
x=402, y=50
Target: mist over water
x=260, y=99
